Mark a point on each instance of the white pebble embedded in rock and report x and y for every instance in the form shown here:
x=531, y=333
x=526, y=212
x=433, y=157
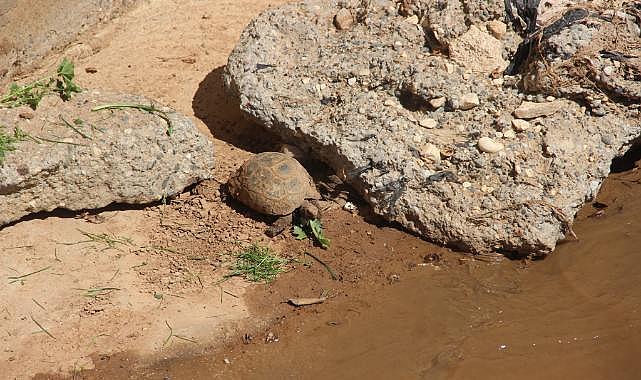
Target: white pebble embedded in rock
x=412, y=19
x=430, y=152
x=496, y=28
x=343, y=19
x=509, y=134
x=488, y=145
x=469, y=101
x=521, y=125
x=438, y=102
x=428, y=123
x=530, y=110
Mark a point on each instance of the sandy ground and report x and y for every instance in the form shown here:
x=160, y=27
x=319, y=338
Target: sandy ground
x=90, y=298
x=115, y=306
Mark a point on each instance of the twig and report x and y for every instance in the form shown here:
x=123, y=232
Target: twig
x=18, y=278
x=38, y=303
x=172, y=335
x=230, y=293
x=78, y=131
x=150, y=109
x=57, y=141
x=95, y=292
x=321, y=262
x=41, y=328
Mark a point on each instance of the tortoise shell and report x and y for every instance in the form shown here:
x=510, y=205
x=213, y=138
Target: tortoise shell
x=272, y=183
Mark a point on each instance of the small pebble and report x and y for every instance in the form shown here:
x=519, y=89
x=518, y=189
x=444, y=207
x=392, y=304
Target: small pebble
x=469, y=101
x=412, y=19
x=530, y=110
x=430, y=152
x=449, y=68
x=438, y=102
x=509, y=134
x=428, y=123
x=496, y=28
x=26, y=115
x=343, y=19
x=488, y=145
x=389, y=103
x=608, y=70
x=351, y=81
x=607, y=139
x=227, y=361
x=349, y=206
x=466, y=185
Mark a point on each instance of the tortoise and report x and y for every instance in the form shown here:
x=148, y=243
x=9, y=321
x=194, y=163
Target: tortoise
x=274, y=183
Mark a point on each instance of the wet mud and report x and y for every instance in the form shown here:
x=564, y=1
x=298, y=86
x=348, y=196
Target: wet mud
x=428, y=313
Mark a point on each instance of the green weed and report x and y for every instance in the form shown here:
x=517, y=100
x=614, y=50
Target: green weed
x=31, y=94
x=8, y=141
x=314, y=230
x=257, y=264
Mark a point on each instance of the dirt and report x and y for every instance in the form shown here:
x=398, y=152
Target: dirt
x=401, y=307
x=407, y=309
x=173, y=52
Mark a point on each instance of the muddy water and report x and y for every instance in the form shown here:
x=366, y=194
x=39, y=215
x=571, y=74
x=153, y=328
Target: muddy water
x=573, y=315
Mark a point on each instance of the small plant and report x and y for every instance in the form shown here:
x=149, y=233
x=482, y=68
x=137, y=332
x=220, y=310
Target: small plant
x=257, y=264
x=312, y=229
x=31, y=94
x=8, y=141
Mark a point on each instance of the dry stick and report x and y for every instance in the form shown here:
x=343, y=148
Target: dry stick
x=114, y=276
x=38, y=303
x=149, y=109
x=41, y=328
x=19, y=247
x=18, y=278
x=58, y=141
x=321, y=262
x=171, y=334
x=78, y=131
x=230, y=293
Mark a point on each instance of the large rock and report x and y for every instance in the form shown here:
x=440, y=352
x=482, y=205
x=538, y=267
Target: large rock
x=356, y=99
x=119, y=156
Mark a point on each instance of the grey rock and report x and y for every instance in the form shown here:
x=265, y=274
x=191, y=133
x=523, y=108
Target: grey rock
x=590, y=42
x=125, y=156
x=520, y=199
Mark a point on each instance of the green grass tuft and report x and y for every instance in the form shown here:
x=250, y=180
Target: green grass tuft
x=8, y=141
x=257, y=264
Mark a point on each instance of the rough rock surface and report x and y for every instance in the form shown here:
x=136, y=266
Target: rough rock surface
x=596, y=59
x=112, y=156
x=356, y=99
